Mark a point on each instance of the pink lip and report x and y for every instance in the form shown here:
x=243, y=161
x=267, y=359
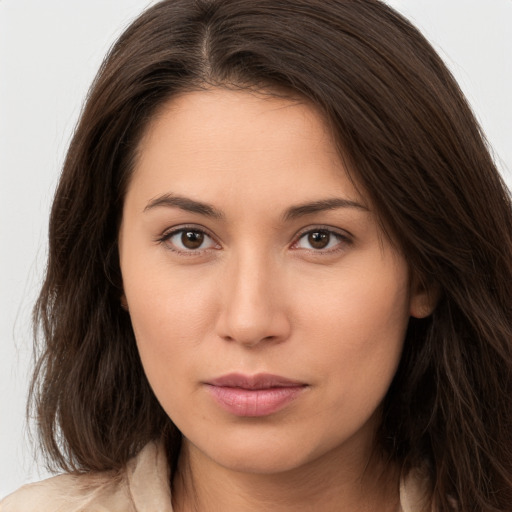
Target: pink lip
x=256, y=395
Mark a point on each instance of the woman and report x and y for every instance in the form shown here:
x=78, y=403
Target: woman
x=280, y=258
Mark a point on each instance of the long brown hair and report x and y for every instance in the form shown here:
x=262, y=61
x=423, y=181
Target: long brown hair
x=411, y=141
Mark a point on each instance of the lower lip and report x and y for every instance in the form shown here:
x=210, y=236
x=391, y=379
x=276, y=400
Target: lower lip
x=254, y=402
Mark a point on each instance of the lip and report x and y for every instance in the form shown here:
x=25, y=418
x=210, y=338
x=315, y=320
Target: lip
x=254, y=395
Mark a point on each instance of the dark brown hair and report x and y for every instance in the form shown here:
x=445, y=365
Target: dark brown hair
x=414, y=146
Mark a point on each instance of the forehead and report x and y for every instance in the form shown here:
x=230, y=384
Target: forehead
x=221, y=118
x=206, y=142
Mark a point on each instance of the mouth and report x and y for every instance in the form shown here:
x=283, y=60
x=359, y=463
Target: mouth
x=254, y=395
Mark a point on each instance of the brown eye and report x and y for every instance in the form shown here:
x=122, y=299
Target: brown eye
x=322, y=241
x=188, y=240
x=192, y=239
x=319, y=239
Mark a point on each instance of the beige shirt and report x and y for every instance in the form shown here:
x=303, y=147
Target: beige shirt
x=142, y=487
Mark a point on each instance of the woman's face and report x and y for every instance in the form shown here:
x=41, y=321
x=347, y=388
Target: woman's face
x=269, y=309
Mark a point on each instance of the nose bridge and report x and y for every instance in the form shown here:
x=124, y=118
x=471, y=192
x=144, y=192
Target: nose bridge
x=252, y=308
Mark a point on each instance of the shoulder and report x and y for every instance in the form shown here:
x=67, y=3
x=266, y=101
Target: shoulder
x=144, y=482
x=70, y=493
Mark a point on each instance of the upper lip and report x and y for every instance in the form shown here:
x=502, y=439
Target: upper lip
x=258, y=381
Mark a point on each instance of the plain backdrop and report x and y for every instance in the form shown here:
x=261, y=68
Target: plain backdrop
x=49, y=54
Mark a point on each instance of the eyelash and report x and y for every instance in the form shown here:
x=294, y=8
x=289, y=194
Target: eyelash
x=167, y=236
x=343, y=239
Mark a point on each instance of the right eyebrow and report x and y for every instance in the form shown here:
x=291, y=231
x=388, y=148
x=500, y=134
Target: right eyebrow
x=184, y=203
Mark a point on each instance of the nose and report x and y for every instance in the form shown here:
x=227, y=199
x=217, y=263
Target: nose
x=253, y=306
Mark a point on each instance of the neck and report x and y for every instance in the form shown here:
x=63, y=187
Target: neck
x=201, y=485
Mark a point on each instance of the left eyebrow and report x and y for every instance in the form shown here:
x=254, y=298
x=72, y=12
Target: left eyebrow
x=319, y=206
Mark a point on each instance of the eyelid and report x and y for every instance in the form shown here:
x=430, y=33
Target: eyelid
x=344, y=236
x=170, y=232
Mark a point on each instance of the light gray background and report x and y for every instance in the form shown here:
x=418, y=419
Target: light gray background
x=49, y=54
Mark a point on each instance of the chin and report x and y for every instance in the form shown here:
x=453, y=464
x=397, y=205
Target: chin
x=261, y=461
x=263, y=453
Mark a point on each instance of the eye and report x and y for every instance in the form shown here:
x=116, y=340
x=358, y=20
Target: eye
x=320, y=240
x=188, y=240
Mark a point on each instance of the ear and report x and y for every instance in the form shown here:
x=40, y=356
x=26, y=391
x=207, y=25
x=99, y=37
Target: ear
x=424, y=297
x=124, y=302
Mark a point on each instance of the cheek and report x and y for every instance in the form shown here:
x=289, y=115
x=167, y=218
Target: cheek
x=359, y=326
x=359, y=305
x=171, y=314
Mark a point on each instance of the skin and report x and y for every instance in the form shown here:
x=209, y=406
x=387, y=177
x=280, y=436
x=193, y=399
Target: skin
x=256, y=296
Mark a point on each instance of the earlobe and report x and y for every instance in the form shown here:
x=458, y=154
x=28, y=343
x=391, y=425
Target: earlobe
x=424, y=298
x=124, y=302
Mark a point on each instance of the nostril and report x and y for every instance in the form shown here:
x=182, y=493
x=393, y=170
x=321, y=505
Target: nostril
x=248, y=313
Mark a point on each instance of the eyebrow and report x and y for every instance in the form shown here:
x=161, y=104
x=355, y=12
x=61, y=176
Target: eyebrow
x=184, y=203
x=302, y=210
x=294, y=212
